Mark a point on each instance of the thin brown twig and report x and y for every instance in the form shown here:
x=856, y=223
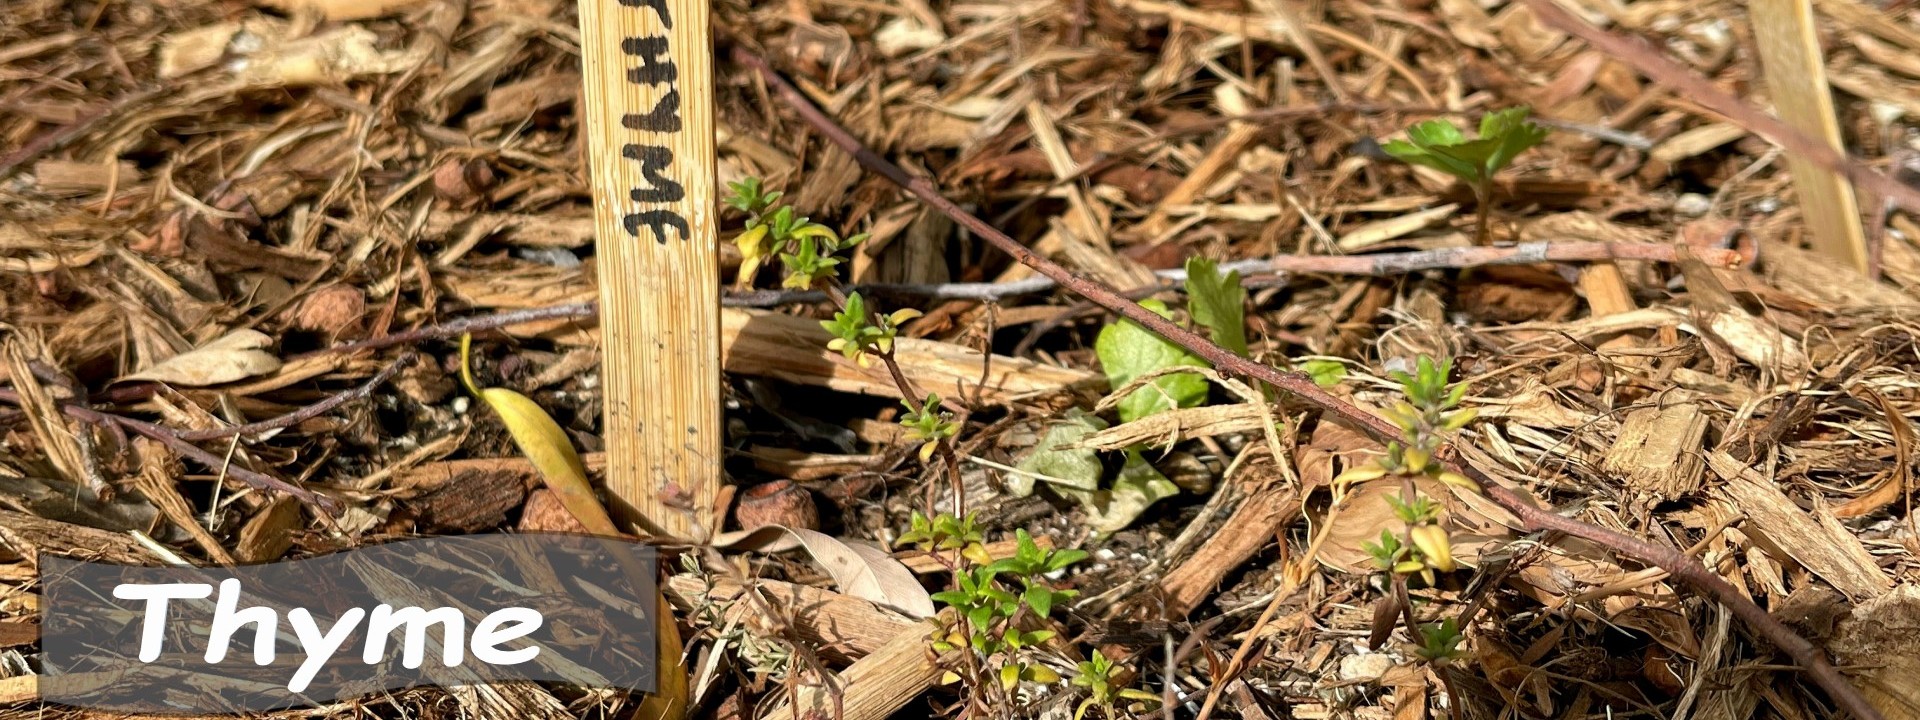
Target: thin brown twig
x=53, y=139
x=1642, y=56
x=295, y=417
x=1377, y=264
x=1809, y=658
x=456, y=328
x=910, y=395
x=166, y=436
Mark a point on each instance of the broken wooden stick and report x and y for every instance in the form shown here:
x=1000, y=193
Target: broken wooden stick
x=647, y=68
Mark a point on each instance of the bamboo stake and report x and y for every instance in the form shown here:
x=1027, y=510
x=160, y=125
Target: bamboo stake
x=647, y=70
x=1797, y=80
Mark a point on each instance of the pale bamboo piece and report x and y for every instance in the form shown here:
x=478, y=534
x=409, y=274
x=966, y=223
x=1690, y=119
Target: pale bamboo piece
x=1797, y=81
x=873, y=687
x=648, y=75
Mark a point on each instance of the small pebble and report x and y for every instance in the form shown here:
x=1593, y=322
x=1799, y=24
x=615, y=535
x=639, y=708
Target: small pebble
x=1367, y=667
x=1692, y=205
x=557, y=257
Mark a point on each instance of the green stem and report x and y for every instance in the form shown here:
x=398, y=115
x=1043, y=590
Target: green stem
x=1483, y=194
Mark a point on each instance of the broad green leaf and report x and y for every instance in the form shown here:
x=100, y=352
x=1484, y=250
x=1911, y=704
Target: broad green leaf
x=1472, y=153
x=1435, y=132
x=1514, y=140
x=1063, y=558
x=1408, y=153
x=1501, y=122
x=1440, y=145
x=1127, y=351
x=1325, y=373
x=1079, y=469
x=1040, y=599
x=1218, y=302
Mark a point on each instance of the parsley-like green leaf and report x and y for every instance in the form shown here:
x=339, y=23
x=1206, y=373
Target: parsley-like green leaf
x=1219, y=302
x=1128, y=351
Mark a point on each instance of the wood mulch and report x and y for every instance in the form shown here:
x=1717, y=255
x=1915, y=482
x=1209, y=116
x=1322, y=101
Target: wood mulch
x=279, y=179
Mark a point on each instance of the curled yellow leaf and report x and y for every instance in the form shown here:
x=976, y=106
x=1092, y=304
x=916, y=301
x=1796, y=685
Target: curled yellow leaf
x=1434, y=545
x=544, y=443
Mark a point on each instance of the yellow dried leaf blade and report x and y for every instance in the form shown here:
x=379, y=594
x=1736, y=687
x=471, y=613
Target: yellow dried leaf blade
x=671, y=695
x=543, y=442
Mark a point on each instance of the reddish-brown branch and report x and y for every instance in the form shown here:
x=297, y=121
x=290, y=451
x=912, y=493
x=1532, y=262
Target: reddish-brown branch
x=166, y=436
x=1642, y=56
x=456, y=328
x=1810, y=658
x=295, y=417
x=56, y=138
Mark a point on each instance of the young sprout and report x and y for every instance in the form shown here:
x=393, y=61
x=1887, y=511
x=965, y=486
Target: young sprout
x=928, y=425
x=1441, y=145
x=1096, y=675
x=1425, y=416
x=857, y=338
x=1440, y=642
x=946, y=532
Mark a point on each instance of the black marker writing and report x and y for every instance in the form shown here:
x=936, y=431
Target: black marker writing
x=659, y=7
x=655, y=67
x=653, y=159
x=663, y=118
x=658, y=221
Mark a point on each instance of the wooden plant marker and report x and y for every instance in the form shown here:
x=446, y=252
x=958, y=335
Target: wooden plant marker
x=1797, y=81
x=648, y=75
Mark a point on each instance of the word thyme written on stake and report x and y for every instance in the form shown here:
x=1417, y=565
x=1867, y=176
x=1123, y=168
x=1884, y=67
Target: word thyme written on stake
x=656, y=68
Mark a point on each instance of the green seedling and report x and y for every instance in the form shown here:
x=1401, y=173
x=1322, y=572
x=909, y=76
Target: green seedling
x=1441, y=145
x=1096, y=675
x=1218, y=301
x=946, y=532
x=928, y=425
x=1325, y=373
x=1029, y=563
x=1128, y=350
x=1440, y=642
x=1426, y=415
x=858, y=336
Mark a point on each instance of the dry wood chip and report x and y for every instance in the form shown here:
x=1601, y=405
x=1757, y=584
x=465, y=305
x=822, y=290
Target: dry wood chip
x=28, y=536
x=64, y=177
x=1881, y=637
x=15, y=633
x=802, y=465
x=1657, y=453
x=1166, y=428
x=342, y=9
x=770, y=345
x=873, y=687
x=1696, y=141
x=844, y=626
x=1815, y=540
x=1380, y=231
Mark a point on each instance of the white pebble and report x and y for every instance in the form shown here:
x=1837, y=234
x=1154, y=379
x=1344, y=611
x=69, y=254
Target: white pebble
x=1692, y=205
x=1367, y=667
